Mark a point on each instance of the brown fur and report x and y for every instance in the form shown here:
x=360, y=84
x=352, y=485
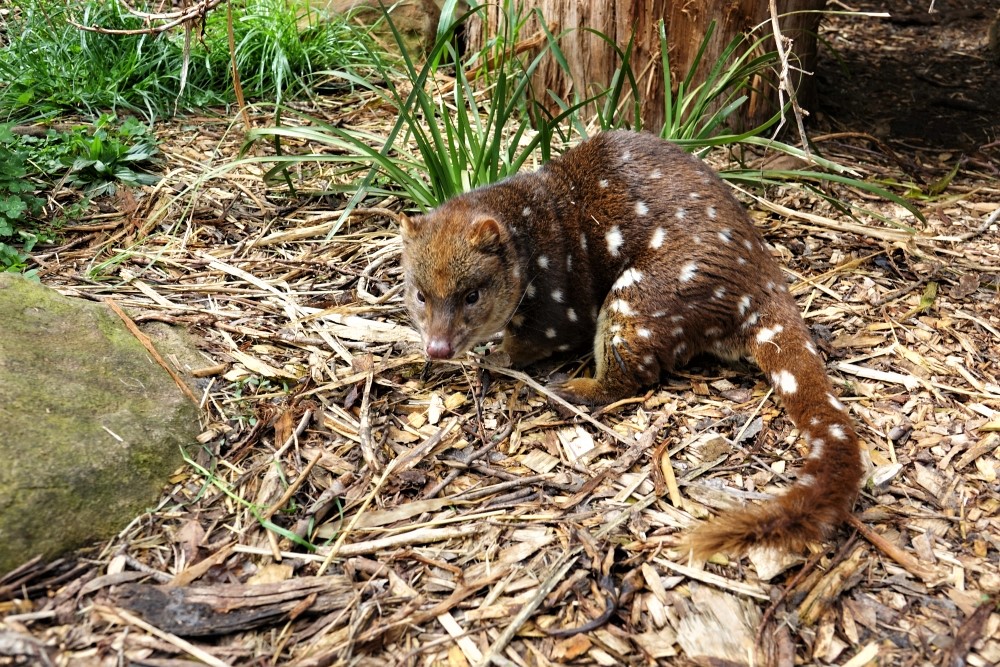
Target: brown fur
x=628, y=244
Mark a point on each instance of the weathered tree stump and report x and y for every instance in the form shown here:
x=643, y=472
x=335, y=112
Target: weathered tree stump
x=593, y=61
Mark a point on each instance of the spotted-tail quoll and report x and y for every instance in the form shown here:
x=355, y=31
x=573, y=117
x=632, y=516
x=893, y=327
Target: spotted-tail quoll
x=629, y=244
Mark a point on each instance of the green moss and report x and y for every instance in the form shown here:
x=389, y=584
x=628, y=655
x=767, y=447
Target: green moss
x=93, y=427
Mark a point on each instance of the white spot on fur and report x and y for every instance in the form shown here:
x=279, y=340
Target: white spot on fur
x=659, y=313
x=677, y=332
x=543, y=261
x=550, y=333
x=571, y=315
x=766, y=334
x=741, y=260
x=628, y=278
x=725, y=236
x=622, y=306
x=641, y=208
x=785, y=382
x=648, y=359
x=677, y=318
x=837, y=432
x=695, y=195
x=712, y=332
x=680, y=349
x=688, y=272
x=752, y=320
x=748, y=244
x=557, y=295
x=643, y=332
x=656, y=174
x=816, y=447
x=719, y=292
x=711, y=213
x=744, y=305
x=697, y=239
x=617, y=340
x=626, y=156
x=603, y=182
x=681, y=214
x=837, y=405
x=526, y=211
x=529, y=291
x=564, y=347
x=583, y=241
x=569, y=262
x=658, y=236
x=615, y=240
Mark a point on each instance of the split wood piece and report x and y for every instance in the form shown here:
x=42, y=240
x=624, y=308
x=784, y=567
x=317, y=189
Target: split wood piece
x=903, y=559
x=122, y=616
x=969, y=633
x=198, y=611
x=831, y=586
x=719, y=628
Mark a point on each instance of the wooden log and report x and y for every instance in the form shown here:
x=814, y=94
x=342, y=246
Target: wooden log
x=197, y=611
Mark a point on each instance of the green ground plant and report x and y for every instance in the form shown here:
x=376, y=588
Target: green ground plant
x=51, y=67
x=110, y=155
x=94, y=159
x=18, y=204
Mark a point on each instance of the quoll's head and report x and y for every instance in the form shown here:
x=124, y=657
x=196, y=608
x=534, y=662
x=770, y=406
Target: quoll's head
x=461, y=277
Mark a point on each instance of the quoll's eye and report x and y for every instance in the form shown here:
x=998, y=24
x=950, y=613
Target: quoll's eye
x=472, y=298
x=420, y=297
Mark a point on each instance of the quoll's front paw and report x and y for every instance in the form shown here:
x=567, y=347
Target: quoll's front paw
x=579, y=390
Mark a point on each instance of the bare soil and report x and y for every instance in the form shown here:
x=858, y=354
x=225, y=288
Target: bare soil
x=922, y=81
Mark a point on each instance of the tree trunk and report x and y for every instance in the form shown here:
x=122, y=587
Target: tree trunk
x=592, y=61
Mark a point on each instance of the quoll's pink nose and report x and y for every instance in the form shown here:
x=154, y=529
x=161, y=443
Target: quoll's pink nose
x=439, y=348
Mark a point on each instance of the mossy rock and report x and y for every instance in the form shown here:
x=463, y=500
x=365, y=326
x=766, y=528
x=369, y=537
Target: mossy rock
x=92, y=425
x=415, y=20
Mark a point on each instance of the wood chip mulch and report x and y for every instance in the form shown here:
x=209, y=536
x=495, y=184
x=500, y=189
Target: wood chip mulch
x=346, y=505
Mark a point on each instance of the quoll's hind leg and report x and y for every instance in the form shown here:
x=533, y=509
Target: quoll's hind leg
x=631, y=348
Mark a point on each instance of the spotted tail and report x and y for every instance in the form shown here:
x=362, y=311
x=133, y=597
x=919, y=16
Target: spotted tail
x=827, y=484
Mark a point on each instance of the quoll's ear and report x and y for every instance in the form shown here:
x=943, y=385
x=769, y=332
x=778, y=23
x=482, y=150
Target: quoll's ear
x=485, y=233
x=409, y=226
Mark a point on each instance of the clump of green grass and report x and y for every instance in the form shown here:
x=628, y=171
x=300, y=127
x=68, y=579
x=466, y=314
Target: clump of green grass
x=279, y=49
x=451, y=134
x=51, y=67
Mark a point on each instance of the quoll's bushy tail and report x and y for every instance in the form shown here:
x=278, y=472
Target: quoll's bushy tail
x=827, y=484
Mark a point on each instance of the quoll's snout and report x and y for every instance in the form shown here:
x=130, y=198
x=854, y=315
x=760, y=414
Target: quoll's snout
x=439, y=348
